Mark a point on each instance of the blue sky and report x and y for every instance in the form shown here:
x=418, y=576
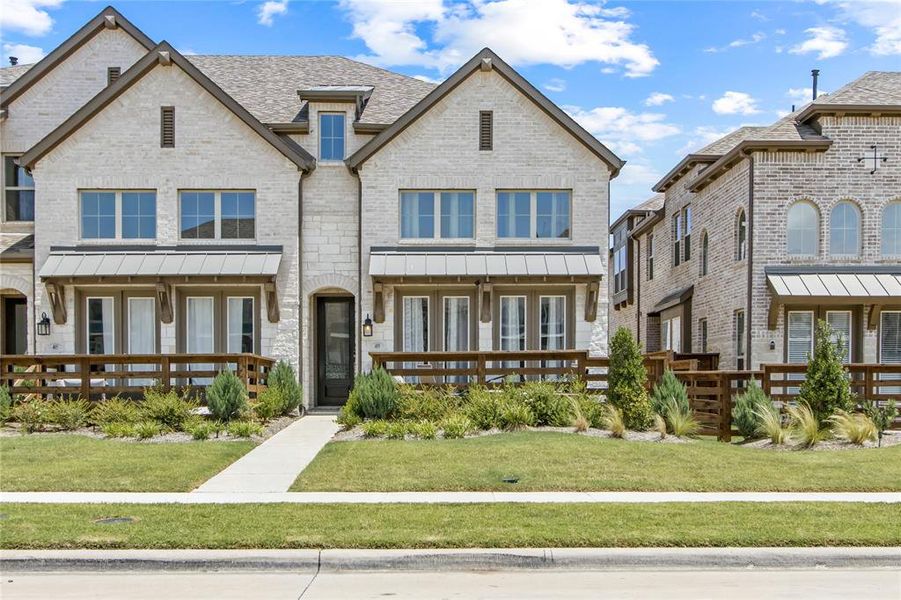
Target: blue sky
x=652, y=80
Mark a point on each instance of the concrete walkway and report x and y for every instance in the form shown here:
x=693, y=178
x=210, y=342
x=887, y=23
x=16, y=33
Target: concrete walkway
x=275, y=464
x=245, y=497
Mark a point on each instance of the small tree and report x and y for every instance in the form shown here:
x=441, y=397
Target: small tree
x=882, y=416
x=627, y=381
x=749, y=405
x=226, y=396
x=282, y=377
x=826, y=388
x=669, y=388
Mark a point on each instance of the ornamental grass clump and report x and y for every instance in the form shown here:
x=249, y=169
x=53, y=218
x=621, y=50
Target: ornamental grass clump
x=580, y=422
x=660, y=425
x=483, y=408
x=613, y=421
x=771, y=425
x=826, y=388
x=32, y=416
x=681, y=420
x=882, y=416
x=118, y=429
x=547, y=404
x=146, y=430
x=283, y=378
x=167, y=408
x=669, y=388
x=244, y=429
x=856, y=428
x=805, y=427
x=376, y=394
x=747, y=409
x=456, y=426
x=516, y=415
x=114, y=410
x=69, y=414
x=375, y=429
x=226, y=397
x=6, y=403
x=627, y=381
x=424, y=430
x=425, y=404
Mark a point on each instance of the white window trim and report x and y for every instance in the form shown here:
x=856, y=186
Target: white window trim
x=881, y=325
x=525, y=330
x=228, y=332
x=436, y=226
x=217, y=213
x=330, y=161
x=859, y=230
x=118, y=217
x=565, y=317
x=850, y=340
x=128, y=302
x=666, y=338
x=883, y=229
x=444, y=300
x=816, y=216
x=788, y=336
x=212, y=300
x=533, y=217
x=87, y=323
x=428, y=319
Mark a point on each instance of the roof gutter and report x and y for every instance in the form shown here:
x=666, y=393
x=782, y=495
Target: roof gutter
x=684, y=166
x=813, y=109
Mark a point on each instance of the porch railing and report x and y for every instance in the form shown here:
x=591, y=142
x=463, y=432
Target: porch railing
x=93, y=376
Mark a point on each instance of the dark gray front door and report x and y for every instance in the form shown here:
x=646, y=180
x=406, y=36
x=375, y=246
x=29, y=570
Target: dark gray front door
x=14, y=327
x=334, y=349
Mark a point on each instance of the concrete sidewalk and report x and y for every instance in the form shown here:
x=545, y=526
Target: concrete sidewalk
x=275, y=464
x=286, y=477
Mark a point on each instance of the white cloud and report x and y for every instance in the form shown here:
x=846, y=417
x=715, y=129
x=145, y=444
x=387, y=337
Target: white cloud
x=26, y=54
x=827, y=41
x=620, y=129
x=883, y=17
x=800, y=95
x=658, y=99
x=27, y=16
x=638, y=174
x=700, y=137
x=555, y=85
x=269, y=9
x=571, y=32
x=754, y=39
x=756, y=14
x=427, y=79
x=735, y=103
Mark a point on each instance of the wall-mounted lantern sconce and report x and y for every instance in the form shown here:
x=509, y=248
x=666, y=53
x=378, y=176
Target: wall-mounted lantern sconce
x=44, y=325
x=772, y=344
x=367, y=327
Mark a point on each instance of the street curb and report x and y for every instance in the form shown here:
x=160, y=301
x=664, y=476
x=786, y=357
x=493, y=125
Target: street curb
x=477, y=559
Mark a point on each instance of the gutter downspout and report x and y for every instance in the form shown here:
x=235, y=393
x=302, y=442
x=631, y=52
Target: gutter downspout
x=360, y=266
x=749, y=320
x=637, y=283
x=300, y=298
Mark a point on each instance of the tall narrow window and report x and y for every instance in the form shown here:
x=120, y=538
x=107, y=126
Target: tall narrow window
x=891, y=230
x=141, y=324
x=741, y=237
x=513, y=323
x=553, y=322
x=486, y=130
x=705, y=253
x=167, y=127
x=240, y=325
x=665, y=335
x=200, y=333
x=740, y=339
x=101, y=334
x=331, y=136
x=890, y=346
x=416, y=324
x=112, y=75
x=800, y=336
x=803, y=230
x=844, y=230
x=18, y=192
x=456, y=331
x=702, y=334
x=676, y=334
x=840, y=322
x=686, y=232
x=677, y=238
x=650, y=256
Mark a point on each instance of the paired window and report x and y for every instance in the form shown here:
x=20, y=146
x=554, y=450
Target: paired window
x=650, y=256
x=123, y=215
x=891, y=230
x=120, y=322
x=221, y=321
x=844, y=230
x=456, y=212
x=519, y=313
x=218, y=215
x=432, y=319
x=533, y=214
x=741, y=237
x=331, y=136
x=18, y=192
x=803, y=232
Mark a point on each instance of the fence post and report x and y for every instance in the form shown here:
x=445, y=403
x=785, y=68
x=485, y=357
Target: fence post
x=85, y=366
x=725, y=408
x=165, y=379
x=481, y=376
x=766, y=384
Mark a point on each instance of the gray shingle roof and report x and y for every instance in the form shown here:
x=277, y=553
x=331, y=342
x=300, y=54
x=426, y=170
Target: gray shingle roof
x=655, y=202
x=267, y=85
x=729, y=141
x=873, y=87
x=10, y=74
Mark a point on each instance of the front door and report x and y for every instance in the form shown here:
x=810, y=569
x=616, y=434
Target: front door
x=334, y=349
x=14, y=328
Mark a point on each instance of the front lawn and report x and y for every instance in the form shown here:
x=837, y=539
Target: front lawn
x=563, y=461
x=76, y=463
x=449, y=525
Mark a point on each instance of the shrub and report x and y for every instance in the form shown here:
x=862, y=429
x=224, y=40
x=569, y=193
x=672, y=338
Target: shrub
x=456, y=426
x=147, y=429
x=69, y=414
x=546, y=403
x=398, y=430
x=681, y=420
x=613, y=421
x=347, y=418
x=424, y=430
x=270, y=403
x=226, y=397
x=118, y=429
x=426, y=404
x=660, y=425
x=626, y=381
x=202, y=429
x=516, y=415
x=114, y=410
x=166, y=408
x=484, y=408
x=32, y=415
x=244, y=429
x=376, y=394
x=747, y=409
x=882, y=416
x=669, y=387
x=6, y=403
x=593, y=409
x=805, y=427
x=826, y=388
x=283, y=378
x=857, y=428
x=373, y=429
x=579, y=421
x=770, y=420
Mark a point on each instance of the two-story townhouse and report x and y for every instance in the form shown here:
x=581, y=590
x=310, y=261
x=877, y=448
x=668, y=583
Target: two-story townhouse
x=260, y=204
x=770, y=229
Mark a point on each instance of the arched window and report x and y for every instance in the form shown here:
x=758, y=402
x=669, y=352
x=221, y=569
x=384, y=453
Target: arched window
x=891, y=229
x=803, y=230
x=741, y=237
x=844, y=230
x=705, y=245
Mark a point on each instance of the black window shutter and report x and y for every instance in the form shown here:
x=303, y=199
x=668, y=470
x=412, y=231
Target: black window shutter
x=486, y=130
x=167, y=127
x=112, y=74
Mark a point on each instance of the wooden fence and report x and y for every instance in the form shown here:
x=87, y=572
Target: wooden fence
x=95, y=377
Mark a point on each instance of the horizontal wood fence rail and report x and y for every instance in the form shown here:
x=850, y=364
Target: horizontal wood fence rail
x=93, y=376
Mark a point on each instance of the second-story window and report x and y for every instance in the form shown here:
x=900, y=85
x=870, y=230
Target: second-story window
x=18, y=192
x=538, y=214
x=686, y=233
x=650, y=256
x=418, y=212
x=741, y=237
x=331, y=136
x=110, y=215
x=209, y=215
x=677, y=239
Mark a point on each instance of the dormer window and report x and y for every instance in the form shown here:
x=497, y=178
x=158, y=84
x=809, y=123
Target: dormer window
x=331, y=136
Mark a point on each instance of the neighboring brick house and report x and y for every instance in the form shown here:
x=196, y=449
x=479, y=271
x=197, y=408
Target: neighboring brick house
x=777, y=225
x=158, y=203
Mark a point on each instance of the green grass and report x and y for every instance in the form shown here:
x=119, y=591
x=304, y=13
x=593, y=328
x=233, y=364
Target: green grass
x=75, y=463
x=449, y=525
x=561, y=461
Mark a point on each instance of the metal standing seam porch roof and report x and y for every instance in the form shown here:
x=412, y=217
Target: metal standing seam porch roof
x=485, y=264
x=162, y=263
x=835, y=285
